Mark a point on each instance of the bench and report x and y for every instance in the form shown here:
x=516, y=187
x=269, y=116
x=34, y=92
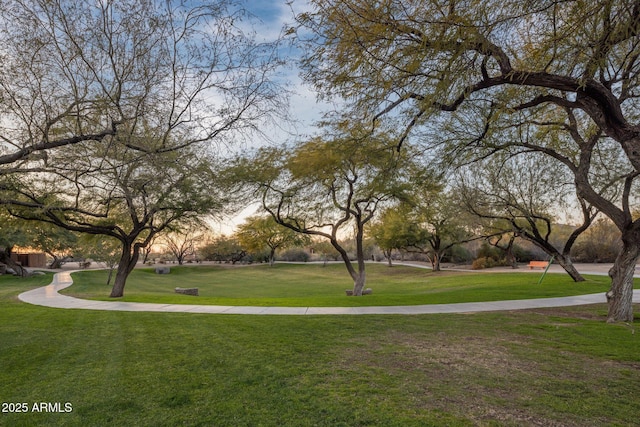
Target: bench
x=541, y=264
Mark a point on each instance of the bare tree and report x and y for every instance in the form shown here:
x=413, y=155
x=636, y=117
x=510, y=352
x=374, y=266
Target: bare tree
x=183, y=239
x=77, y=71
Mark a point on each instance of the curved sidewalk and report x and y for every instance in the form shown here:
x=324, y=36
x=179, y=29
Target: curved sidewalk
x=48, y=296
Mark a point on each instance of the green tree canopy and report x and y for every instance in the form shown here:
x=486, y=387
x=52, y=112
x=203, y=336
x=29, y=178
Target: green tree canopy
x=123, y=198
x=329, y=186
x=258, y=233
x=464, y=74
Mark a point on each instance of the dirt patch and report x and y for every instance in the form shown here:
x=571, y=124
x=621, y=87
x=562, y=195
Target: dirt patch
x=494, y=378
x=594, y=312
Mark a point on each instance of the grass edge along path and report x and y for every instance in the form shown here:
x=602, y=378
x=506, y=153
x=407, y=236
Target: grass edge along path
x=316, y=286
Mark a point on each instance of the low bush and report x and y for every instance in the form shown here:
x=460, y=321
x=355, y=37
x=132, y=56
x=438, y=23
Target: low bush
x=294, y=255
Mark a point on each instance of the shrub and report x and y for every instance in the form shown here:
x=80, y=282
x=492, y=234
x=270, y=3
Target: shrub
x=488, y=251
x=458, y=254
x=294, y=255
x=483, y=262
x=522, y=254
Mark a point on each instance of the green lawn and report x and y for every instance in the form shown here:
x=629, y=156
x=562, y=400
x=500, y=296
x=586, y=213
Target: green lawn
x=563, y=367
x=296, y=285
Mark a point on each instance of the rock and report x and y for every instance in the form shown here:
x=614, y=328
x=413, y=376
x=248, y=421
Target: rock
x=163, y=270
x=367, y=291
x=187, y=291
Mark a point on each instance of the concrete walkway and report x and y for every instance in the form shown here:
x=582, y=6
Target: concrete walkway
x=48, y=296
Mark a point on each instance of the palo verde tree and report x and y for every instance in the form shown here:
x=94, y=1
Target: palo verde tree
x=572, y=65
x=223, y=249
x=329, y=187
x=392, y=231
x=260, y=232
x=440, y=223
x=430, y=221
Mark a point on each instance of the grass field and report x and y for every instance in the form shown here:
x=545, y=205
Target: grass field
x=561, y=367
x=296, y=285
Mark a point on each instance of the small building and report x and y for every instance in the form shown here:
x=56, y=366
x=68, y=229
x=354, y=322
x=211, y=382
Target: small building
x=35, y=260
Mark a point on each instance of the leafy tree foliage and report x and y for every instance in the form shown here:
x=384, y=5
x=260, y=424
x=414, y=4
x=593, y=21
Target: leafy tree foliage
x=260, y=232
x=325, y=249
x=393, y=231
x=56, y=242
x=107, y=108
x=59, y=243
x=470, y=71
x=223, y=249
x=327, y=187
x=12, y=233
x=442, y=224
x=102, y=249
x=123, y=198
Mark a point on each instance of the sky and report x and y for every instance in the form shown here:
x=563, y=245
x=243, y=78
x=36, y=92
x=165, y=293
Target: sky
x=271, y=17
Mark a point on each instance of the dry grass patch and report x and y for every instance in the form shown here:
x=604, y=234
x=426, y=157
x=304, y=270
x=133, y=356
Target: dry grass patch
x=494, y=377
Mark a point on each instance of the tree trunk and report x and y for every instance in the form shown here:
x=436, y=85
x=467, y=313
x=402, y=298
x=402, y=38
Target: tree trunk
x=620, y=296
x=272, y=257
x=5, y=258
x=387, y=254
x=56, y=263
x=110, y=276
x=358, y=283
x=127, y=262
x=508, y=254
x=563, y=258
x=435, y=261
x=566, y=263
x=145, y=255
x=360, y=278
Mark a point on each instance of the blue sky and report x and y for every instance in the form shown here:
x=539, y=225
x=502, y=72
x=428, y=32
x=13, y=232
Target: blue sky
x=273, y=16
